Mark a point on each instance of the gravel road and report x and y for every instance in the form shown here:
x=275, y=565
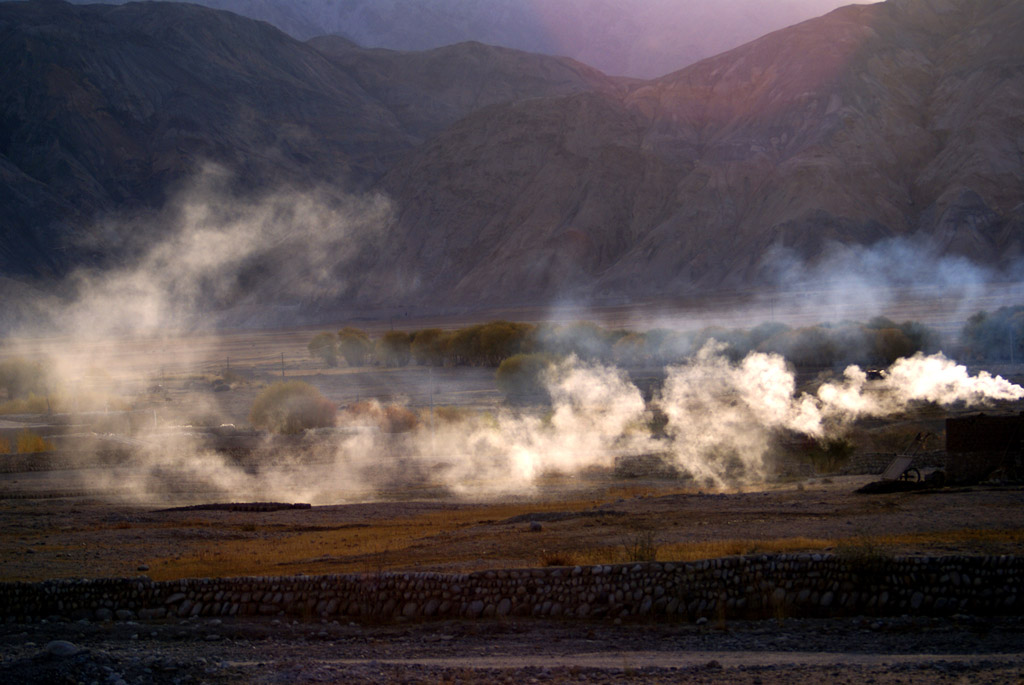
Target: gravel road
x=963, y=649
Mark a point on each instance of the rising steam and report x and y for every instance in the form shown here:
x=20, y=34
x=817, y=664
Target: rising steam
x=214, y=258
x=219, y=255
x=722, y=416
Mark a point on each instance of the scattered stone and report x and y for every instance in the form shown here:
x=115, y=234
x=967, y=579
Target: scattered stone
x=62, y=648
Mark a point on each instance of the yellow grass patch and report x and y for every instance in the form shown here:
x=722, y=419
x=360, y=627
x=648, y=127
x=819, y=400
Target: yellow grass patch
x=418, y=541
x=469, y=538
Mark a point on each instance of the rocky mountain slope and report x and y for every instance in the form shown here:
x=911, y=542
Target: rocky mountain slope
x=896, y=119
x=106, y=110
x=431, y=90
x=639, y=38
x=515, y=178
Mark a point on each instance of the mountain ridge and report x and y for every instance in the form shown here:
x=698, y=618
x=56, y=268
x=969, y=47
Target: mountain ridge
x=638, y=38
x=516, y=178
x=767, y=152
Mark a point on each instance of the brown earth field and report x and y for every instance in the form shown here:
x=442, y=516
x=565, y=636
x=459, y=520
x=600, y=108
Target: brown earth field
x=53, y=527
x=87, y=537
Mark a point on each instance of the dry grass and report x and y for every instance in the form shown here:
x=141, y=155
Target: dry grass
x=403, y=543
x=33, y=404
x=473, y=538
x=33, y=443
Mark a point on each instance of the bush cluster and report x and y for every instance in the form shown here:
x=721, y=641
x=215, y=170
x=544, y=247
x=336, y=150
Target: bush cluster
x=20, y=378
x=995, y=336
x=388, y=418
x=291, y=407
x=879, y=341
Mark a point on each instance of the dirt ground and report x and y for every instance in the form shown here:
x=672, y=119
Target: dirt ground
x=51, y=528
x=84, y=537
x=887, y=652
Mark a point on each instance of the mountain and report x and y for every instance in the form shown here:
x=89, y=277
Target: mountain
x=511, y=178
x=108, y=110
x=899, y=119
x=105, y=108
x=430, y=90
x=639, y=38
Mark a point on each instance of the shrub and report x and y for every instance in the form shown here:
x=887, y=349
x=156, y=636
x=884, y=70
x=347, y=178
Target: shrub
x=831, y=454
x=891, y=344
x=585, y=339
x=291, y=407
x=391, y=418
x=20, y=378
x=33, y=443
x=630, y=348
x=399, y=419
x=354, y=345
x=995, y=336
x=499, y=340
x=428, y=347
x=32, y=404
x=521, y=377
x=5, y=446
x=324, y=346
x=394, y=348
x=641, y=546
x=448, y=414
x=463, y=345
x=809, y=346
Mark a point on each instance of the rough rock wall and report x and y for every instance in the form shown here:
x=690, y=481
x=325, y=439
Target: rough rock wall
x=732, y=587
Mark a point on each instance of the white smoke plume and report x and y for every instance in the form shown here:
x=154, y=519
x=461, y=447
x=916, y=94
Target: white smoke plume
x=219, y=255
x=596, y=413
x=722, y=419
x=212, y=257
x=722, y=415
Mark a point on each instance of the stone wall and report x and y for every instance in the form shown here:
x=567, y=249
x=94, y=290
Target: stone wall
x=733, y=587
x=874, y=463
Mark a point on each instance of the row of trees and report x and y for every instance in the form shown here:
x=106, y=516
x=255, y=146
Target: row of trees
x=879, y=341
x=480, y=345
x=995, y=336
x=22, y=378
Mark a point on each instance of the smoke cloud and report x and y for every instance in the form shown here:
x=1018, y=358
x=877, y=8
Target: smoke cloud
x=213, y=258
x=723, y=418
x=218, y=259
x=859, y=281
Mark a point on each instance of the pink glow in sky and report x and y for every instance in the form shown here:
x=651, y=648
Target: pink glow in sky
x=652, y=37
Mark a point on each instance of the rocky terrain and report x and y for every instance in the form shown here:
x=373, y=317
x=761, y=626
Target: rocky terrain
x=515, y=179
x=88, y=537
x=901, y=650
x=733, y=171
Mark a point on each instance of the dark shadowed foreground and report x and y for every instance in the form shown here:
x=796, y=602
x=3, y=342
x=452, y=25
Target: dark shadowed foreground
x=899, y=650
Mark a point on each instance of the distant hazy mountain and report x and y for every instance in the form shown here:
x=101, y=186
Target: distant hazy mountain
x=106, y=109
x=431, y=90
x=644, y=38
x=517, y=178
x=897, y=119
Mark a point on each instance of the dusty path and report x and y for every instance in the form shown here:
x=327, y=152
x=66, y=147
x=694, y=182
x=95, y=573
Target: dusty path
x=889, y=651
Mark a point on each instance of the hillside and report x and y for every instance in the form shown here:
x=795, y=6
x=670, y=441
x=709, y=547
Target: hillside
x=510, y=178
x=109, y=111
x=431, y=90
x=638, y=38
x=894, y=120
x=108, y=108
